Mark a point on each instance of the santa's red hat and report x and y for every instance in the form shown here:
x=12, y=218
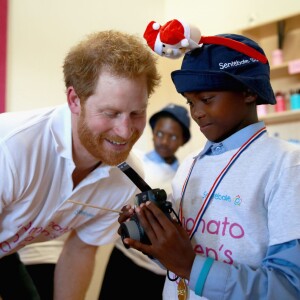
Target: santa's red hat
x=151, y=32
x=175, y=32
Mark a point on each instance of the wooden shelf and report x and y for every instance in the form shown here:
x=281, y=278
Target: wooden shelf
x=281, y=117
x=268, y=29
x=281, y=71
x=266, y=35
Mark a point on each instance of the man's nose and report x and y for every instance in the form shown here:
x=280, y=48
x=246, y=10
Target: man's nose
x=124, y=128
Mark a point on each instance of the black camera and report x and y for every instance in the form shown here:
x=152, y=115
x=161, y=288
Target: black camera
x=132, y=228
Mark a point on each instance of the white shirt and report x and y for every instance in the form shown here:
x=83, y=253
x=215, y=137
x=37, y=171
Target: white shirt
x=44, y=252
x=36, y=182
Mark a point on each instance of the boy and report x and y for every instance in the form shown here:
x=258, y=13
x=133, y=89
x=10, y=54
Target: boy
x=238, y=198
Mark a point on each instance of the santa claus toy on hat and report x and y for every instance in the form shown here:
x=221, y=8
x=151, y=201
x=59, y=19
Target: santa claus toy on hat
x=175, y=38
x=172, y=39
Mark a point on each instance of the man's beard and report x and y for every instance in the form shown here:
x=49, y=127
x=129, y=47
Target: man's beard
x=95, y=145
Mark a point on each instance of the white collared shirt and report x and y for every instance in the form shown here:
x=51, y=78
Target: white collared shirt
x=36, y=182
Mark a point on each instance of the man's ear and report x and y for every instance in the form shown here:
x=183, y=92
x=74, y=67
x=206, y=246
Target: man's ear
x=250, y=96
x=73, y=100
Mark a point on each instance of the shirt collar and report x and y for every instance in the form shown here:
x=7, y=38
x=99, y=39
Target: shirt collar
x=61, y=128
x=62, y=131
x=155, y=157
x=233, y=142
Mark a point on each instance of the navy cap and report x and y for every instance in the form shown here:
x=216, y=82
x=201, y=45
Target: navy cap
x=218, y=67
x=176, y=112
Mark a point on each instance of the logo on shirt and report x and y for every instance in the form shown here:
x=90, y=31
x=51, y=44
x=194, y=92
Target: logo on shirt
x=84, y=213
x=236, y=200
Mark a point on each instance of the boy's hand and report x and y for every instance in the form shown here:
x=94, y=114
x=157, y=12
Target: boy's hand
x=127, y=212
x=170, y=243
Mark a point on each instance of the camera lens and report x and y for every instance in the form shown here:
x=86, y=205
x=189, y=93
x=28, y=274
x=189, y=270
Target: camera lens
x=131, y=230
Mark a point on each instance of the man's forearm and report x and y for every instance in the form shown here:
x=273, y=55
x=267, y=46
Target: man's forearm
x=74, y=271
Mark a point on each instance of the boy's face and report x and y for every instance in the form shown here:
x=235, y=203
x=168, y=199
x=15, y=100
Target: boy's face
x=219, y=114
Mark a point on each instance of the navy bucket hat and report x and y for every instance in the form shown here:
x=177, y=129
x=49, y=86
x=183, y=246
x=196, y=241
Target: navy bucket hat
x=219, y=67
x=176, y=112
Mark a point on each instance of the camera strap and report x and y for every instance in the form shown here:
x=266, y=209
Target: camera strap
x=134, y=176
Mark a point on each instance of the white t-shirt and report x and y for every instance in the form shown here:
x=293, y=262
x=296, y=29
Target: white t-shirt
x=256, y=205
x=36, y=182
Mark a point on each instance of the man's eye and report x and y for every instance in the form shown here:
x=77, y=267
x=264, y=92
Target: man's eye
x=111, y=114
x=139, y=113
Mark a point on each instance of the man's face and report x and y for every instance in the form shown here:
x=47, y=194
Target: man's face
x=113, y=119
x=219, y=114
x=167, y=137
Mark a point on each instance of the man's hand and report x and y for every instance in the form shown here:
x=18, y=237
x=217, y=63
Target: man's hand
x=170, y=243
